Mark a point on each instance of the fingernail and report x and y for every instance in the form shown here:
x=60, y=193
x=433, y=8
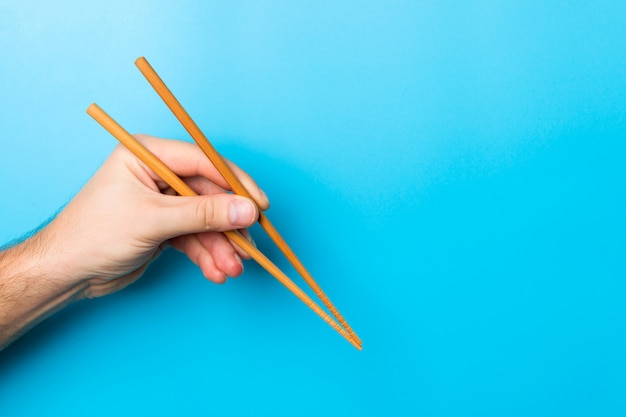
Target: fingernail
x=265, y=198
x=240, y=212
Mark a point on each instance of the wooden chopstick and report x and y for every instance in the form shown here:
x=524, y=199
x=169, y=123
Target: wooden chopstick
x=167, y=175
x=238, y=188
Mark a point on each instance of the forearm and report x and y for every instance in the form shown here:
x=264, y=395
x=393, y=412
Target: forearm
x=31, y=288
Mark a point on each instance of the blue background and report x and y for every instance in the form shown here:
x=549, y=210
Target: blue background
x=452, y=173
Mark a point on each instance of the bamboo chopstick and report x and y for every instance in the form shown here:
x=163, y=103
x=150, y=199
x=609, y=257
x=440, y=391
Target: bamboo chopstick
x=238, y=188
x=167, y=175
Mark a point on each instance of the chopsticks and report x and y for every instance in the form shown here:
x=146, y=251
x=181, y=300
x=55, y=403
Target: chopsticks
x=237, y=187
x=167, y=175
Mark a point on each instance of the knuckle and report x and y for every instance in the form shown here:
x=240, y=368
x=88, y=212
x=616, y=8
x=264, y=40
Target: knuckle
x=205, y=212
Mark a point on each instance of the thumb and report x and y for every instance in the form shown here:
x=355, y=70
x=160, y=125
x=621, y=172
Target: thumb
x=214, y=213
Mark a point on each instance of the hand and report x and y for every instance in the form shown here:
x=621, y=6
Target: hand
x=125, y=215
x=108, y=234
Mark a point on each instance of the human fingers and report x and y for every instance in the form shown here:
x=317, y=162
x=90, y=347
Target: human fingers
x=237, y=250
x=257, y=194
x=200, y=185
x=218, y=257
x=177, y=215
x=188, y=160
x=222, y=252
x=205, y=187
x=184, y=158
x=199, y=255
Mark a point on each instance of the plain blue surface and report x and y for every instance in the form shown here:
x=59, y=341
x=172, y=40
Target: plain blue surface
x=452, y=173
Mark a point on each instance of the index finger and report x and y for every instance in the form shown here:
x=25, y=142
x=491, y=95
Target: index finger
x=187, y=160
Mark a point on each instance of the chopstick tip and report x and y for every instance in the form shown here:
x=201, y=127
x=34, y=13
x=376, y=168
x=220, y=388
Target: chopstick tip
x=358, y=346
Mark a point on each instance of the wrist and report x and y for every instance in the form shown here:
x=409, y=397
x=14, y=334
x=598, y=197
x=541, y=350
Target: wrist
x=32, y=287
x=49, y=259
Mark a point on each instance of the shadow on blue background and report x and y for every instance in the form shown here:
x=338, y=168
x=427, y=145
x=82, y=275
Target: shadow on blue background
x=452, y=174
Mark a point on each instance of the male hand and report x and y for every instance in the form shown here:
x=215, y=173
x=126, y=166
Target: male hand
x=125, y=215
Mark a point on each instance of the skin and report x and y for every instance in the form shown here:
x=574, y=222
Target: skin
x=119, y=222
